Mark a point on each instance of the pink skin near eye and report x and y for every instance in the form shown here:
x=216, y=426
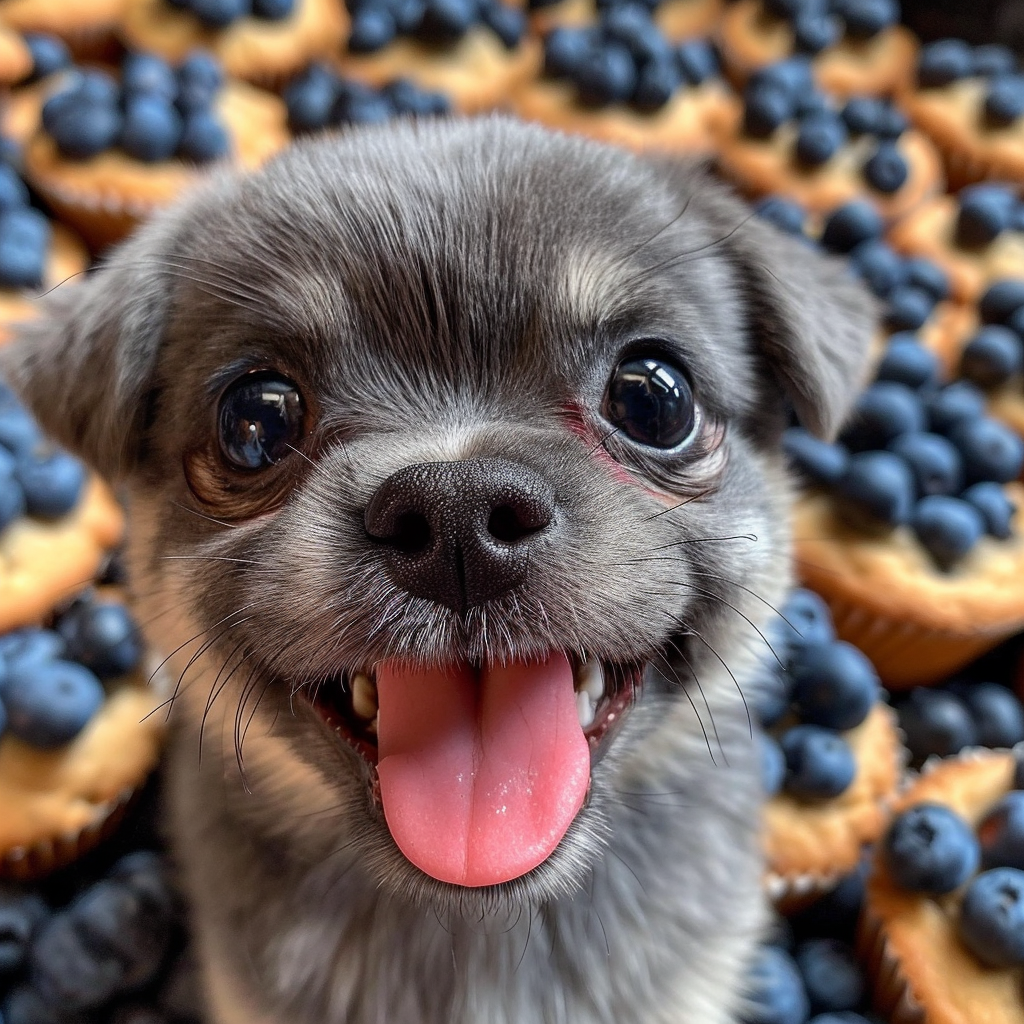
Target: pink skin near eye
x=578, y=424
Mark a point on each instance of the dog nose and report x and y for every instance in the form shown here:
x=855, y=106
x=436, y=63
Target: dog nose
x=460, y=533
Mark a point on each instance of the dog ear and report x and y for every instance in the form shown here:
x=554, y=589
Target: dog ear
x=84, y=365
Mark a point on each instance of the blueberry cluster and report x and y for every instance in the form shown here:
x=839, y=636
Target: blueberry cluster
x=985, y=212
x=320, y=98
x=930, y=849
x=221, y=13
x=155, y=113
x=50, y=679
x=625, y=58
x=786, y=91
x=35, y=479
x=996, y=352
x=112, y=952
x=818, y=24
x=818, y=687
x=25, y=234
x=375, y=23
x=949, y=60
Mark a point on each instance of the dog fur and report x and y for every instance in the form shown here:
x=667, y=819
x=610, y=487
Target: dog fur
x=450, y=291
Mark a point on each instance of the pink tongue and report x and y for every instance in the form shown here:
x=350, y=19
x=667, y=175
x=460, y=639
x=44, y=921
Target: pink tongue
x=480, y=777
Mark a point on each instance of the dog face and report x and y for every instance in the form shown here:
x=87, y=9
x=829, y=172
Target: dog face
x=451, y=455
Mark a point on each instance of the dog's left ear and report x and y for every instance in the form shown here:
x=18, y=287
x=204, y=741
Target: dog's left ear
x=807, y=315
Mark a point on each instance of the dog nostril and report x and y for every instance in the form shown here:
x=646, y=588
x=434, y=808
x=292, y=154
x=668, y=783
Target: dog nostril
x=411, y=534
x=506, y=524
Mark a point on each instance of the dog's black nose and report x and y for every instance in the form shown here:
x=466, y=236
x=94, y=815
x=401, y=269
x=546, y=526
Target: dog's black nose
x=460, y=533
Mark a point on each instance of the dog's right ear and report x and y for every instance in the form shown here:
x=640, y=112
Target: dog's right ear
x=84, y=366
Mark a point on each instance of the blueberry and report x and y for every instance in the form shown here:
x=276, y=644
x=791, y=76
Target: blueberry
x=310, y=99
x=24, y=1005
x=819, y=138
x=930, y=848
x=943, y=62
x=52, y=484
x=49, y=703
x=607, y=75
x=102, y=636
x=372, y=29
x=408, y=15
x=697, y=61
x=361, y=105
x=82, y=127
x=993, y=59
x=13, y=191
x=948, y=527
x=24, y=244
x=815, y=31
x=98, y=87
x=819, y=762
x=923, y=273
x=786, y=214
x=447, y=20
x=765, y=108
x=147, y=74
x=1001, y=301
x=818, y=460
x=49, y=54
x=813, y=102
x=12, y=499
x=18, y=431
x=219, y=13
x=834, y=685
x=906, y=361
x=909, y=307
x=954, y=404
x=565, y=51
x=886, y=170
x=1005, y=100
x=985, y=212
x=146, y=874
x=936, y=723
x=776, y=991
x=631, y=25
x=997, y=714
x=866, y=18
x=806, y=619
x=990, y=450
x=934, y=460
x=995, y=507
x=883, y=412
x=835, y=914
x=506, y=22
x=851, y=224
x=773, y=692
x=407, y=98
x=31, y=645
x=992, y=356
x=200, y=72
x=880, y=267
x=832, y=977
x=203, y=137
x=151, y=130
x=892, y=122
x=793, y=76
x=273, y=10
x=992, y=917
x=657, y=81
x=877, y=487
x=862, y=114
x=773, y=769
x=21, y=916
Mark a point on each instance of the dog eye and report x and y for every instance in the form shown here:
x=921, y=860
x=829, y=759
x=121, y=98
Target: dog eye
x=649, y=399
x=261, y=418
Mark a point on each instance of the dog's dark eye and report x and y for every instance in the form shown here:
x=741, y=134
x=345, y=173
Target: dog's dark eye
x=261, y=419
x=650, y=401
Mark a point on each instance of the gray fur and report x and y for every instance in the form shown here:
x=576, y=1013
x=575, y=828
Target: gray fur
x=442, y=292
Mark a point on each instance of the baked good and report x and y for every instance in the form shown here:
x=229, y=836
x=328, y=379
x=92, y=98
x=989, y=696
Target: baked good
x=622, y=81
x=970, y=102
x=678, y=19
x=107, y=154
x=265, y=43
x=792, y=139
x=87, y=26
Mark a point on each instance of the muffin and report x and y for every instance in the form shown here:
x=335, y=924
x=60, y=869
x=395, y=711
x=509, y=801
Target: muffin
x=936, y=934
x=970, y=102
x=856, y=48
x=108, y=154
x=87, y=26
x=79, y=734
x=264, y=43
x=15, y=57
x=796, y=141
x=678, y=19
x=622, y=81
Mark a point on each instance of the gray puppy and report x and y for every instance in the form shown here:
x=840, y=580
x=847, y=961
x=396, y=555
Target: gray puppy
x=456, y=502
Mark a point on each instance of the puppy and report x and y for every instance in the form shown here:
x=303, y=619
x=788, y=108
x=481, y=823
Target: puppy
x=457, y=508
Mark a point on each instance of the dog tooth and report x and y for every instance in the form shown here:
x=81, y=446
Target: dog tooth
x=371, y=727
x=364, y=696
x=585, y=710
x=590, y=679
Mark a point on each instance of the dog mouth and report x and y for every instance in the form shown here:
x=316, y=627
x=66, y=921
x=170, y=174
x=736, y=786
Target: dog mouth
x=480, y=770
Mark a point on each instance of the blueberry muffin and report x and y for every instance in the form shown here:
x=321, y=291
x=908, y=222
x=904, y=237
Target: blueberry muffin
x=794, y=140
x=87, y=26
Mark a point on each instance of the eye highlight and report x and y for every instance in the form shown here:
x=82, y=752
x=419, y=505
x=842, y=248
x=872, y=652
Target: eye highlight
x=649, y=399
x=260, y=419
